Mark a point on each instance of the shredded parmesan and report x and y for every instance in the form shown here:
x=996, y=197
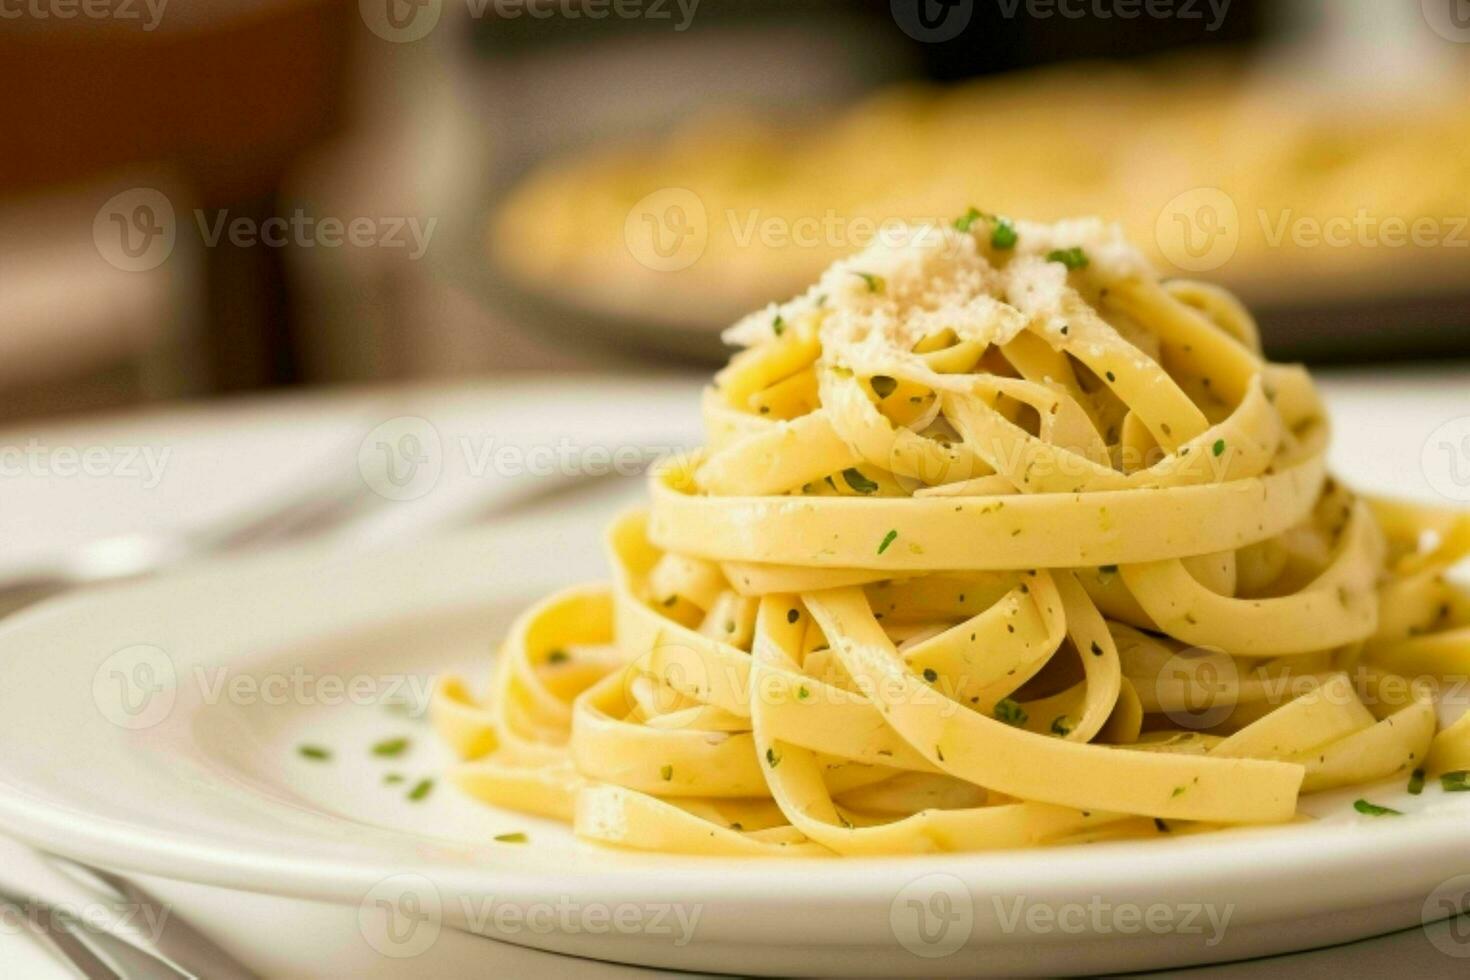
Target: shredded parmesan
x=921, y=279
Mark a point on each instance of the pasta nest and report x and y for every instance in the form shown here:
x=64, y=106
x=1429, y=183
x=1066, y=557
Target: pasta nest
x=997, y=541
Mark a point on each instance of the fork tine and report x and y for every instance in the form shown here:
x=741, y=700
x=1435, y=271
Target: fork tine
x=60, y=938
x=325, y=504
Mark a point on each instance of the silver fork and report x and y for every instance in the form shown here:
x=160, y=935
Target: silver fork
x=106, y=949
x=324, y=504
x=181, y=951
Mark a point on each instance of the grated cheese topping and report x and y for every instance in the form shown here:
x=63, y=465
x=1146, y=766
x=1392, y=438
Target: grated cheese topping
x=923, y=278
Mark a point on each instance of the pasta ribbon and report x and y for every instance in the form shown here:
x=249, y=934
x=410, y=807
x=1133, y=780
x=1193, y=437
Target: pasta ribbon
x=997, y=542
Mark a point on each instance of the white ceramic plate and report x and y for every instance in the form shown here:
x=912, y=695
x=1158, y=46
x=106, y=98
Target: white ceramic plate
x=156, y=727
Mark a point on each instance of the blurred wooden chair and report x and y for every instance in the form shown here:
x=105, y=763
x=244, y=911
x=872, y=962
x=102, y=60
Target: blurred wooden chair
x=77, y=332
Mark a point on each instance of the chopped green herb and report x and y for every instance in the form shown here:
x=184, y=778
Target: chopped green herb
x=887, y=540
x=1374, y=810
x=1002, y=230
x=1162, y=827
x=513, y=838
x=315, y=752
x=1178, y=791
x=1010, y=712
x=666, y=773
x=1061, y=726
x=393, y=779
x=390, y=746
x=802, y=693
x=1416, y=782
x=1003, y=235
x=964, y=221
x=931, y=675
x=1073, y=258
x=778, y=325
x=1097, y=651
x=1108, y=569
x=792, y=615
x=420, y=789
x=1455, y=782
x=883, y=385
x=875, y=283
x=1111, y=376
x=558, y=657
x=772, y=759
x=1218, y=447
x=938, y=753
x=859, y=483
x=671, y=600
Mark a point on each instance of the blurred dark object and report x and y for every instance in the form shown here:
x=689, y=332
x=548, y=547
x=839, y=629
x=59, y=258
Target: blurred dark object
x=256, y=109
x=221, y=96
x=1416, y=328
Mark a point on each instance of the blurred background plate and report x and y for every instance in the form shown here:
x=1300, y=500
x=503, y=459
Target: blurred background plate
x=511, y=166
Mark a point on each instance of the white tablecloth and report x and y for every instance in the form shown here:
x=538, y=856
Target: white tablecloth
x=220, y=458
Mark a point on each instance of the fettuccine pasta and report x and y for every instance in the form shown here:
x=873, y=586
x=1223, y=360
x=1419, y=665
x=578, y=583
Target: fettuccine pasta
x=997, y=541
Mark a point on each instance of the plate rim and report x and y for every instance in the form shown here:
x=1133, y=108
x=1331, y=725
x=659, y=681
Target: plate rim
x=1264, y=872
